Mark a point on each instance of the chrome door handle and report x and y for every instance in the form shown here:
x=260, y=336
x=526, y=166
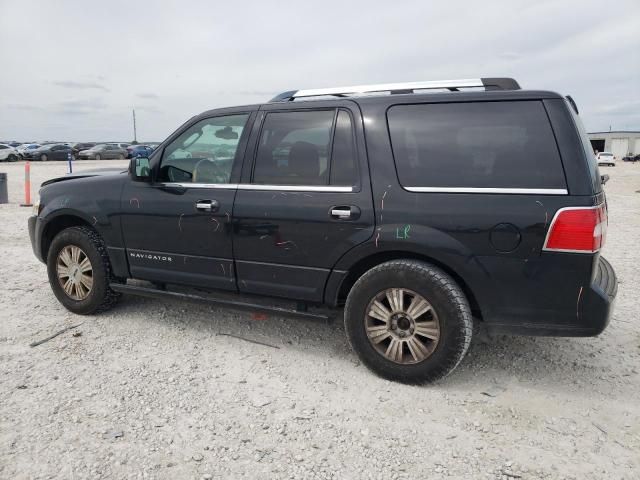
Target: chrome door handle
x=340, y=213
x=207, y=205
x=344, y=212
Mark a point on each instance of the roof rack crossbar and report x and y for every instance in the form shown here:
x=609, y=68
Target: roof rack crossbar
x=409, y=87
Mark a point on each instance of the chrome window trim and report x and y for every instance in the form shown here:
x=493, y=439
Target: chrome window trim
x=250, y=186
x=224, y=186
x=295, y=188
x=512, y=191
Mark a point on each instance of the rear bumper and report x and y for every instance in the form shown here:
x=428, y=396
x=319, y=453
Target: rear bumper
x=593, y=309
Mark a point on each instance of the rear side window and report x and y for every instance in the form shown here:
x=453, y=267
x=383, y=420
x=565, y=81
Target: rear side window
x=475, y=145
x=306, y=148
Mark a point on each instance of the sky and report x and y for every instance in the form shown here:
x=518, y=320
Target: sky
x=73, y=70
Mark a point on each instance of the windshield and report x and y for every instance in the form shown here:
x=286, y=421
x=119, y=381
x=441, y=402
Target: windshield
x=606, y=154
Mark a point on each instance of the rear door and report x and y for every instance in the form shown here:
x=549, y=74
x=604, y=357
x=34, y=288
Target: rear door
x=304, y=200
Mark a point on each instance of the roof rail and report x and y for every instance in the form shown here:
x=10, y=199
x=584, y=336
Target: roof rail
x=409, y=87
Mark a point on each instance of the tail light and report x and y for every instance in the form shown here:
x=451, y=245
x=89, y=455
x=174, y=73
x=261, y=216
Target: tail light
x=577, y=230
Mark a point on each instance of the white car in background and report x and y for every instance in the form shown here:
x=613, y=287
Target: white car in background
x=606, y=158
x=27, y=147
x=8, y=153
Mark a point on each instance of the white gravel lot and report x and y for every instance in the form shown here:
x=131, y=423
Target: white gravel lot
x=151, y=390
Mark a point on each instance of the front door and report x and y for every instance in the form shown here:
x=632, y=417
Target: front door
x=304, y=202
x=177, y=229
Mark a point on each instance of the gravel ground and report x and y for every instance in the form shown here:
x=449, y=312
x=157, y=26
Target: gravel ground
x=152, y=389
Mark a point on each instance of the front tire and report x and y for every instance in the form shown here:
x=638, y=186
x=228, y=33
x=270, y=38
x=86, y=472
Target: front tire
x=408, y=321
x=98, y=157
x=43, y=158
x=12, y=158
x=79, y=271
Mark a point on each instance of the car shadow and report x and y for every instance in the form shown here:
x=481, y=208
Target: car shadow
x=578, y=365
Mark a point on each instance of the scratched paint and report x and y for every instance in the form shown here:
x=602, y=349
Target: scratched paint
x=180, y=223
x=134, y=201
x=377, y=238
x=217, y=223
x=402, y=233
x=224, y=272
x=95, y=220
x=228, y=216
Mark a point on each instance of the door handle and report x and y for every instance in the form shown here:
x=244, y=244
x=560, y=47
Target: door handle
x=344, y=212
x=207, y=205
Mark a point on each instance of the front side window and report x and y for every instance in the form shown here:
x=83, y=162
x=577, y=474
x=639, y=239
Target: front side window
x=475, y=145
x=205, y=152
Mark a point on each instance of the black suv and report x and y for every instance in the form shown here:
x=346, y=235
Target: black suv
x=419, y=207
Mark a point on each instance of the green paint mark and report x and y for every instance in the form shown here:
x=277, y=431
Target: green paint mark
x=403, y=233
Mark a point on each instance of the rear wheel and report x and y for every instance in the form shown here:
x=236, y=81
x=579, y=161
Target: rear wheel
x=12, y=158
x=43, y=157
x=120, y=156
x=98, y=157
x=80, y=272
x=408, y=321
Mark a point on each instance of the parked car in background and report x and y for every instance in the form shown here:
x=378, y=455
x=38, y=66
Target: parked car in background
x=53, y=151
x=121, y=145
x=606, y=158
x=631, y=158
x=27, y=147
x=79, y=147
x=8, y=153
x=103, y=152
x=135, y=151
x=14, y=144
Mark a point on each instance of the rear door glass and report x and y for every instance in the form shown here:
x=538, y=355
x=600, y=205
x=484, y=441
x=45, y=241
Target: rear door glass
x=475, y=145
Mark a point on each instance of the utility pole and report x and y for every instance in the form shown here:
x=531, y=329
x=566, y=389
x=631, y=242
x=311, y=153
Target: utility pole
x=135, y=136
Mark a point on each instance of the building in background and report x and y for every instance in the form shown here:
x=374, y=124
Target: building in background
x=621, y=143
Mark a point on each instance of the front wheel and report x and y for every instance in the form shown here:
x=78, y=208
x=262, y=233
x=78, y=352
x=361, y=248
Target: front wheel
x=43, y=158
x=98, y=157
x=408, y=321
x=120, y=157
x=79, y=271
x=12, y=158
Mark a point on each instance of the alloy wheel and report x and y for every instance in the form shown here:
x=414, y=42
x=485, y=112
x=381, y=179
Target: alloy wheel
x=75, y=272
x=402, y=326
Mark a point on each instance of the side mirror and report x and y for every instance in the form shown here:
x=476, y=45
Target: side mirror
x=139, y=170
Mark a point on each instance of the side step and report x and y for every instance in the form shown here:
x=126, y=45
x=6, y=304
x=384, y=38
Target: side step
x=220, y=302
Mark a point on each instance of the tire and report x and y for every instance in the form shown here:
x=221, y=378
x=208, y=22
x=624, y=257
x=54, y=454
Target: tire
x=99, y=297
x=120, y=157
x=43, y=157
x=12, y=158
x=98, y=157
x=450, y=311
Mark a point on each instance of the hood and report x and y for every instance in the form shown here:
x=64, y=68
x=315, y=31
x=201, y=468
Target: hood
x=85, y=173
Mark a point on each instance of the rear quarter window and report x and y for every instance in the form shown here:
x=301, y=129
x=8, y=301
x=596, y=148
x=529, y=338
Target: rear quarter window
x=475, y=145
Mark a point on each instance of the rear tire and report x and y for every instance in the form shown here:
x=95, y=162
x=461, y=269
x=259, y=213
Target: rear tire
x=12, y=158
x=121, y=157
x=43, y=158
x=445, y=315
x=80, y=272
x=98, y=157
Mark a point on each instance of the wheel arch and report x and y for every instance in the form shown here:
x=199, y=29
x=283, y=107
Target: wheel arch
x=368, y=262
x=56, y=225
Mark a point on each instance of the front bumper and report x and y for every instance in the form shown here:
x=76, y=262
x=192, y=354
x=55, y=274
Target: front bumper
x=35, y=235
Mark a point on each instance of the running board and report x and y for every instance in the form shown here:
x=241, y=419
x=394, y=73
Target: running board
x=220, y=302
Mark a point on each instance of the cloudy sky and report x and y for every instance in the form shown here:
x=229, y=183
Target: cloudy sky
x=73, y=70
